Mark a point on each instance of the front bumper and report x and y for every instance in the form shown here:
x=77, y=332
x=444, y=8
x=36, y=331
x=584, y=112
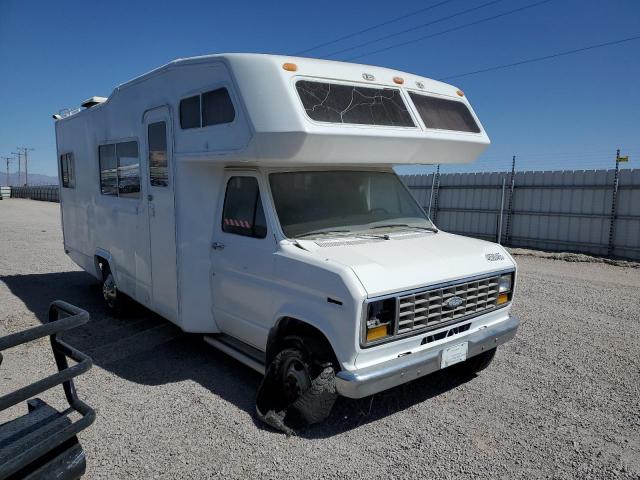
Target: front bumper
x=367, y=381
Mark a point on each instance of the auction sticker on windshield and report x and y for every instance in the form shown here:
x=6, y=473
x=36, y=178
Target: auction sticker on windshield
x=454, y=354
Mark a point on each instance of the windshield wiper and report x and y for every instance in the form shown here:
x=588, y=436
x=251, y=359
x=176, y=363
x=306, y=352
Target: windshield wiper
x=405, y=225
x=321, y=232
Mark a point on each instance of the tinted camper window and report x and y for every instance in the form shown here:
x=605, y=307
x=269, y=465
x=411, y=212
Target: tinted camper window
x=67, y=170
x=444, y=114
x=190, y=112
x=210, y=108
x=119, y=169
x=217, y=107
x=243, y=213
x=334, y=103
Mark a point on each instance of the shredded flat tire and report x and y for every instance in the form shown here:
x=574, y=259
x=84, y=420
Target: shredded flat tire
x=316, y=403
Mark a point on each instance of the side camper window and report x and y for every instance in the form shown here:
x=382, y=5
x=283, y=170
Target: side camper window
x=67, y=170
x=243, y=213
x=119, y=169
x=209, y=108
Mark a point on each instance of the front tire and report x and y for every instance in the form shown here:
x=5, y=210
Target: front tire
x=307, y=381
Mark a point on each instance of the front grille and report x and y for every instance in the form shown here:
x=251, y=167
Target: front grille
x=426, y=309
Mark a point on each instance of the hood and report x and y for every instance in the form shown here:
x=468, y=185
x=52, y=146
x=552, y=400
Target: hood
x=411, y=260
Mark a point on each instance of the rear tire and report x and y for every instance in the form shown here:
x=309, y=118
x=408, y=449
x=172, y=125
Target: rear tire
x=114, y=299
x=476, y=364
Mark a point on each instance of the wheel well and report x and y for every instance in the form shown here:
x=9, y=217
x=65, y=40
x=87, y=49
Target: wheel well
x=289, y=326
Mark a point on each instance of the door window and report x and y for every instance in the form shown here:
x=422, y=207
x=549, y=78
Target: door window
x=242, y=212
x=158, y=171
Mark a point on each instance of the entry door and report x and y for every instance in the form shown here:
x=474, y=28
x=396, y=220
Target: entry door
x=242, y=258
x=160, y=203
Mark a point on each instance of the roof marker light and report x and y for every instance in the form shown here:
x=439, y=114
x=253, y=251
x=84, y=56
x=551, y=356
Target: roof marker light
x=460, y=93
x=419, y=84
x=398, y=80
x=368, y=76
x=290, y=67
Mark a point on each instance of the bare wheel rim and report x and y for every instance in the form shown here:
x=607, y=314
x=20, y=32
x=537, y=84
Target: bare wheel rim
x=295, y=379
x=109, y=290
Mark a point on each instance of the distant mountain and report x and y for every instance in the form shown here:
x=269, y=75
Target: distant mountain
x=34, y=179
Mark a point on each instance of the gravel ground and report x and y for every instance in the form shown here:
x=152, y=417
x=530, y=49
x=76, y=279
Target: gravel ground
x=560, y=401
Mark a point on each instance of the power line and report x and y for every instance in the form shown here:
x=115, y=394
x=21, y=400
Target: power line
x=25, y=151
x=417, y=27
x=8, y=159
x=546, y=57
x=18, y=154
x=373, y=27
x=449, y=30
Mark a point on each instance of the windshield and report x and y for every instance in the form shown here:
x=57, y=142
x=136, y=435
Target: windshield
x=325, y=202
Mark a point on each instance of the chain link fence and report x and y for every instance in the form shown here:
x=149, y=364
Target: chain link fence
x=47, y=193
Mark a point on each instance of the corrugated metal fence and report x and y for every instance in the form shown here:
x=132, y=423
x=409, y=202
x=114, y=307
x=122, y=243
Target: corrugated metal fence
x=47, y=193
x=570, y=210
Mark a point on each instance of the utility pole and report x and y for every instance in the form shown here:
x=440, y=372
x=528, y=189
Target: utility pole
x=26, y=165
x=7, y=160
x=436, y=198
x=18, y=154
x=510, y=208
x=614, y=202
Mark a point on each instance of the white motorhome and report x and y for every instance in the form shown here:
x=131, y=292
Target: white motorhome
x=251, y=198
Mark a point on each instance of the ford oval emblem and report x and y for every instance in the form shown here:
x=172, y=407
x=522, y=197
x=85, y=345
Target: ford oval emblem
x=453, y=302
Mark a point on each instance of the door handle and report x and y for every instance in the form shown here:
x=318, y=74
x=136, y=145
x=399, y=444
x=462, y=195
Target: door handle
x=150, y=197
x=217, y=246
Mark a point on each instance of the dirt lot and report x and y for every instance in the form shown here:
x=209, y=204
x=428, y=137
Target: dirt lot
x=560, y=401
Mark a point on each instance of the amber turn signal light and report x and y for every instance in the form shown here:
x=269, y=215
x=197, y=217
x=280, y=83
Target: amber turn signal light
x=398, y=80
x=460, y=93
x=503, y=298
x=378, y=332
x=290, y=67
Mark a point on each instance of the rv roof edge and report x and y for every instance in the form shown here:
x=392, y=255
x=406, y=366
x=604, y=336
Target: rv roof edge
x=281, y=110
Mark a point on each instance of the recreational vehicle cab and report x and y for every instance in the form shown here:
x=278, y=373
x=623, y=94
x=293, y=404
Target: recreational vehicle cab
x=251, y=198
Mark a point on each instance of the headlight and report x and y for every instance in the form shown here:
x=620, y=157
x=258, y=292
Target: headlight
x=505, y=285
x=380, y=319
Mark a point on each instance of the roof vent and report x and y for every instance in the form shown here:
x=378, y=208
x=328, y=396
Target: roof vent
x=93, y=101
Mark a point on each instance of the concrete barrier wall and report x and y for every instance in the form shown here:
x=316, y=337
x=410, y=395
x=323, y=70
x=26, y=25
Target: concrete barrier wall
x=570, y=210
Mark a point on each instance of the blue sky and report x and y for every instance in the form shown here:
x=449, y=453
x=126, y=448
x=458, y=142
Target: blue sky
x=569, y=112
